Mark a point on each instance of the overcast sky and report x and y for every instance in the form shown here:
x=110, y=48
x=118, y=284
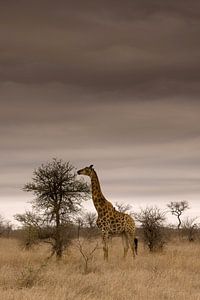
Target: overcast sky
x=109, y=83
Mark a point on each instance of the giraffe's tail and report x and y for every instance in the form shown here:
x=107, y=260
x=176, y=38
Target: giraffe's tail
x=136, y=245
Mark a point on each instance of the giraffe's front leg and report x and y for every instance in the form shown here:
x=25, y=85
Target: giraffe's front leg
x=105, y=245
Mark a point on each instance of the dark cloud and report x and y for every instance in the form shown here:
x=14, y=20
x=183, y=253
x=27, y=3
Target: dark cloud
x=111, y=83
x=148, y=48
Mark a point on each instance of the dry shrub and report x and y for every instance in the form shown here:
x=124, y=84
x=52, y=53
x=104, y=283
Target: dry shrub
x=28, y=277
x=86, y=247
x=190, y=229
x=152, y=219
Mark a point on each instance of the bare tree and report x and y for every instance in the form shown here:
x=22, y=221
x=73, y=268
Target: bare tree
x=151, y=219
x=58, y=196
x=177, y=208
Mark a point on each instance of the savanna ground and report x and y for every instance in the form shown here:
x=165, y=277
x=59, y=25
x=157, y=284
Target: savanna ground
x=171, y=274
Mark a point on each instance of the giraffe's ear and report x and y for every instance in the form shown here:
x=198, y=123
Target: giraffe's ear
x=91, y=166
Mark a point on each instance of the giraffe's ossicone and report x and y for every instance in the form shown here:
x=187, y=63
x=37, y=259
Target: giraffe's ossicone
x=110, y=221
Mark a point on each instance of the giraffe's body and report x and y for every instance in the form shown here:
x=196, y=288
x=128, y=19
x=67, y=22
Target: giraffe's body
x=110, y=221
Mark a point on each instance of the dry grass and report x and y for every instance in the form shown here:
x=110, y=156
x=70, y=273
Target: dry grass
x=173, y=274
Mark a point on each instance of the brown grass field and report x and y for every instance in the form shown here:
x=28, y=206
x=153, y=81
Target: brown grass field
x=172, y=274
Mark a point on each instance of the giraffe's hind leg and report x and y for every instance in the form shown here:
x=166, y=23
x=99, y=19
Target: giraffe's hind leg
x=131, y=241
x=125, y=244
x=136, y=245
x=105, y=245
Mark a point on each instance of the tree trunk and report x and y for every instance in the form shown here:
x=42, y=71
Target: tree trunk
x=179, y=222
x=58, y=237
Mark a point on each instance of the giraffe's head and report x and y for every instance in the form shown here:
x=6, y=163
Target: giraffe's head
x=86, y=171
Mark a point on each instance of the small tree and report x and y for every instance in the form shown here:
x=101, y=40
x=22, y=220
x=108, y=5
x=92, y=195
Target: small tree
x=58, y=196
x=177, y=208
x=151, y=219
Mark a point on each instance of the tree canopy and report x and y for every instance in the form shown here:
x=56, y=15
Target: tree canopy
x=58, y=196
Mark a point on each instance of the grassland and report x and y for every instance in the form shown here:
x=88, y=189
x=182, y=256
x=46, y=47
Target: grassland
x=172, y=274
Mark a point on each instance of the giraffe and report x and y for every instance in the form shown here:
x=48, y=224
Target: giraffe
x=110, y=221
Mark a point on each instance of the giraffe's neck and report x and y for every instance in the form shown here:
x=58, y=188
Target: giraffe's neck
x=97, y=196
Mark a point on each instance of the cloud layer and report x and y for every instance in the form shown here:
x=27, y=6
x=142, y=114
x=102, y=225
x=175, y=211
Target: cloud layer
x=142, y=47
x=110, y=83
